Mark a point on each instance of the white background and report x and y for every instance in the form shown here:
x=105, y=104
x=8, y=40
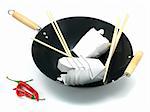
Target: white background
x=127, y=94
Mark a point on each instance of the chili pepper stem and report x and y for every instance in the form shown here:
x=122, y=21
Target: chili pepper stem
x=29, y=80
x=17, y=80
x=38, y=99
x=12, y=79
x=42, y=99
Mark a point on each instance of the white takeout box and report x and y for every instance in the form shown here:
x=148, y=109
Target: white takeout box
x=92, y=44
x=80, y=71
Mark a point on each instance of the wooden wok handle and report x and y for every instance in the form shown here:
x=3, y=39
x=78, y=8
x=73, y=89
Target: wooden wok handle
x=134, y=62
x=24, y=20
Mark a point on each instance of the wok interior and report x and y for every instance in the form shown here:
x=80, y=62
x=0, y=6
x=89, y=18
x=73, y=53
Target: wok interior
x=73, y=29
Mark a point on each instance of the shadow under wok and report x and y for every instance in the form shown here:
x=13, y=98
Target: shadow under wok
x=89, y=95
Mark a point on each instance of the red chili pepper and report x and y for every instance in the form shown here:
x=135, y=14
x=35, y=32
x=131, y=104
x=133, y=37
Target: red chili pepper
x=17, y=92
x=27, y=94
x=20, y=94
x=28, y=87
x=22, y=84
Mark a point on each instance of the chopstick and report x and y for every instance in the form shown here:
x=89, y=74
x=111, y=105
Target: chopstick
x=120, y=31
x=59, y=34
x=49, y=46
x=111, y=50
x=115, y=40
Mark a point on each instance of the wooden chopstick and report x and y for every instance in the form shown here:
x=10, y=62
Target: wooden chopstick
x=49, y=46
x=115, y=40
x=111, y=50
x=63, y=39
x=120, y=31
x=59, y=34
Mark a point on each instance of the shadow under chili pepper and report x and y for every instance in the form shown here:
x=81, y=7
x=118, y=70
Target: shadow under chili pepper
x=89, y=95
